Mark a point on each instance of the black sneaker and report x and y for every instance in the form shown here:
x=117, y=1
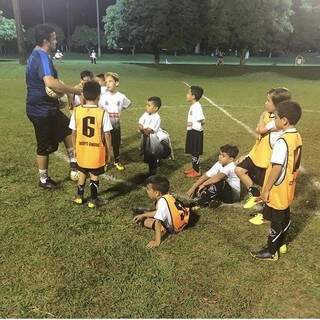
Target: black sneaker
x=264, y=254
x=49, y=184
x=95, y=203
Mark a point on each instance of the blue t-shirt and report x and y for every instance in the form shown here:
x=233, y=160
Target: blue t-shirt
x=39, y=104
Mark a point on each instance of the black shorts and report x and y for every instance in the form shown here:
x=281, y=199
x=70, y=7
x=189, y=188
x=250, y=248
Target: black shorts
x=256, y=174
x=50, y=131
x=194, y=143
x=275, y=215
x=96, y=172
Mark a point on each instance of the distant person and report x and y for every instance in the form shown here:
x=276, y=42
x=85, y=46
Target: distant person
x=114, y=102
x=93, y=57
x=280, y=182
x=91, y=128
x=194, y=138
x=299, y=61
x=170, y=215
x=50, y=124
x=58, y=55
x=220, y=60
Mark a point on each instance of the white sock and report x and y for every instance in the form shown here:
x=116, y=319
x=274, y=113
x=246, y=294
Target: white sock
x=43, y=174
x=70, y=153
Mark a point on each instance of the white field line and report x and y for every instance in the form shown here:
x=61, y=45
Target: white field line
x=314, y=181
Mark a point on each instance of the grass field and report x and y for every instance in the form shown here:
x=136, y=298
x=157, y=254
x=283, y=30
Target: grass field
x=57, y=260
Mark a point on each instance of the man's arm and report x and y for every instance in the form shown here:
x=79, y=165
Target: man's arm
x=57, y=85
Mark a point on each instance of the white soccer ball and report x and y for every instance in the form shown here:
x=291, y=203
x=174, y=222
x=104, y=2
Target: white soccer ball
x=54, y=94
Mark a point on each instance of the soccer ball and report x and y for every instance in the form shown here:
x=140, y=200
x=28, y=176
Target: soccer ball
x=54, y=94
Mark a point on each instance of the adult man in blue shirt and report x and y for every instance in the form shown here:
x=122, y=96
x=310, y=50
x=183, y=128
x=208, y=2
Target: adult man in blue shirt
x=51, y=126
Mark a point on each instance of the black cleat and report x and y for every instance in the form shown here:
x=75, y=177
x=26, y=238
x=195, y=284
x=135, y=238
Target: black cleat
x=49, y=184
x=264, y=254
x=140, y=210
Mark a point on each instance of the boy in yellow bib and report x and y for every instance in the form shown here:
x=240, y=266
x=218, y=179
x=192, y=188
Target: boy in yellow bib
x=91, y=128
x=170, y=215
x=280, y=181
x=251, y=171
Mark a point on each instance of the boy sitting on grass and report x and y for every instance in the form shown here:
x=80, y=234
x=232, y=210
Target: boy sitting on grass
x=170, y=215
x=220, y=183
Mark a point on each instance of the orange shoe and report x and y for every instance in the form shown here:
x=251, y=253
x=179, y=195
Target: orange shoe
x=193, y=174
x=188, y=170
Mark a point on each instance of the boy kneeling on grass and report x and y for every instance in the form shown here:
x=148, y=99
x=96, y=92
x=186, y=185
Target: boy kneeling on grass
x=220, y=183
x=170, y=216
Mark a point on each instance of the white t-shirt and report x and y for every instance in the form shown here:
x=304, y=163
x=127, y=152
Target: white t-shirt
x=107, y=126
x=274, y=135
x=163, y=213
x=195, y=117
x=76, y=100
x=103, y=90
x=150, y=121
x=114, y=103
x=228, y=171
x=280, y=154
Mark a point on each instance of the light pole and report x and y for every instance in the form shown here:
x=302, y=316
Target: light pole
x=98, y=28
x=43, y=14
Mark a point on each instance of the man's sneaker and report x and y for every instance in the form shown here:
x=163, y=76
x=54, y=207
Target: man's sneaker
x=49, y=184
x=78, y=200
x=95, y=203
x=188, y=170
x=264, y=254
x=119, y=166
x=257, y=219
x=214, y=204
x=193, y=174
x=283, y=249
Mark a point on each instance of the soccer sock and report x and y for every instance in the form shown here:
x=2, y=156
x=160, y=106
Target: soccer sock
x=94, y=189
x=43, y=174
x=196, y=163
x=70, y=153
x=81, y=190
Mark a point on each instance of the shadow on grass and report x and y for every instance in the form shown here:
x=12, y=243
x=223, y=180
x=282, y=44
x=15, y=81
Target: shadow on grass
x=302, y=213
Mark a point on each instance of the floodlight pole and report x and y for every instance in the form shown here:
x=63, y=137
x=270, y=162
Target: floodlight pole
x=98, y=28
x=43, y=13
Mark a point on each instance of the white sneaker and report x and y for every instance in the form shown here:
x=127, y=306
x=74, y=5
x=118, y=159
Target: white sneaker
x=74, y=175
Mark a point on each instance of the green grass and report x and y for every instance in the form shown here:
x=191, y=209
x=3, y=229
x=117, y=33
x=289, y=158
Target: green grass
x=65, y=261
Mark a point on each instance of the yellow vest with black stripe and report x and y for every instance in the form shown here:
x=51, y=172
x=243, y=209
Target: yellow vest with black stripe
x=179, y=213
x=282, y=192
x=90, y=144
x=260, y=154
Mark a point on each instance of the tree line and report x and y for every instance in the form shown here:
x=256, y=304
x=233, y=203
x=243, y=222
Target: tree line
x=265, y=27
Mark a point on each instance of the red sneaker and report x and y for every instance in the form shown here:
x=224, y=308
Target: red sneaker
x=193, y=174
x=188, y=170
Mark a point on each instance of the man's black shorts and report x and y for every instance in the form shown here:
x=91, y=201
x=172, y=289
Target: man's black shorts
x=50, y=131
x=256, y=174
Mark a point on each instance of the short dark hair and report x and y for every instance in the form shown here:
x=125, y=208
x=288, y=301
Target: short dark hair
x=231, y=150
x=86, y=73
x=159, y=183
x=91, y=90
x=100, y=75
x=197, y=92
x=156, y=101
x=43, y=32
x=279, y=94
x=290, y=110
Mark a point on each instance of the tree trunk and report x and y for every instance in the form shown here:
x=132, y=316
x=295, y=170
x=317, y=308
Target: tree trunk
x=242, y=57
x=133, y=50
x=20, y=40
